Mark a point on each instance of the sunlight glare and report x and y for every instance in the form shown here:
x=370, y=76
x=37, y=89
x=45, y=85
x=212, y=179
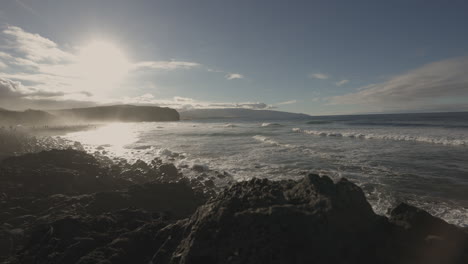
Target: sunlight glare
x=102, y=65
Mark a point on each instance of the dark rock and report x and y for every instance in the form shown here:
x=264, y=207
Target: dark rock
x=55, y=171
x=169, y=172
x=198, y=168
x=259, y=221
x=423, y=238
x=70, y=207
x=311, y=221
x=209, y=183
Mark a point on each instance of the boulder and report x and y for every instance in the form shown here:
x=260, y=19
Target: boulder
x=260, y=221
x=314, y=220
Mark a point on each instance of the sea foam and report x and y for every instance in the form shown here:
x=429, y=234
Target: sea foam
x=388, y=136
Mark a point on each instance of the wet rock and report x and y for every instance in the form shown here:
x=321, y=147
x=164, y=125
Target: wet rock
x=311, y=221
x=70, y=207
x=426, y=239
x=55, y=171
x=198, y=168
x=71, y=238
x=209, y=183
x=259, y=221
x=169, y=172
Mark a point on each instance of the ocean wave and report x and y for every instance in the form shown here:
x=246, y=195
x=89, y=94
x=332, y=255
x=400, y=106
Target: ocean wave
x=266, y=140
x=271, y=125
x=403, y=124
x=396, y=137
x=165, y=152
x=319, y=122
x=230, y=125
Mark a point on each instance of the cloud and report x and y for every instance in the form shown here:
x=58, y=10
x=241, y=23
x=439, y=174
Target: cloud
x=9, y=88
x=320, y=76
x=430, y=84
x=287, y=102
x=13, y=95
x=166, y=65
x=12, y=89
x=42, y=66
x=184, y=103
x=232, y=76
x=37, y=72
x=35, y=47
x=342, y=82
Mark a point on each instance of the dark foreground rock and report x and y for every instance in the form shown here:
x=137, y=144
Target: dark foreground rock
x=314, y=220
x=311, y=221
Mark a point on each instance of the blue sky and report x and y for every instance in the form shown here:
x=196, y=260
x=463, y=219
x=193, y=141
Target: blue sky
x=315, y=57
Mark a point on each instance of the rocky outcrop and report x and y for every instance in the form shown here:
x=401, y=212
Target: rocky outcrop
x=259, y=221
x=151, y=213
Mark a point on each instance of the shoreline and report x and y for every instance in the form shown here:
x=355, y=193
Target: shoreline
x=157, y=200
x=146, y=205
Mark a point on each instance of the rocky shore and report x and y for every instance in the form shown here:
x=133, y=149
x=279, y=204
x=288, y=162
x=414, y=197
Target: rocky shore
x=67, y=206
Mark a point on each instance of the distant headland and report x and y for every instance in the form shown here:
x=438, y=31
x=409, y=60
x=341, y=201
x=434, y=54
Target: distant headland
x=112, y=113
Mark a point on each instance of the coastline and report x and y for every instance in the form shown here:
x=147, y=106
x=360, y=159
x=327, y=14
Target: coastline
x=115, y=207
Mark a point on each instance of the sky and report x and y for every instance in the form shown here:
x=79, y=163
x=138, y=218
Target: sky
x=314, y=57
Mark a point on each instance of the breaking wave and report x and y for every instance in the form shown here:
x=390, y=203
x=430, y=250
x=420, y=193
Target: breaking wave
x=271, y=125
x=396, y=137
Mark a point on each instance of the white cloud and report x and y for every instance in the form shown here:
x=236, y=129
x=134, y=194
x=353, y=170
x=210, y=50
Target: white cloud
x=428, y=85
x=35, y=47
x=232, y=76
x=287, y=102
x=165, y=65
x=184, y=103
x=40, y=64
x=13, y=95
x=320, y=76
x=342, y=82
x=37, y=72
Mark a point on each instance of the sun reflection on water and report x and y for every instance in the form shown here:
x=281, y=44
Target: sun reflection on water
x=114, y=137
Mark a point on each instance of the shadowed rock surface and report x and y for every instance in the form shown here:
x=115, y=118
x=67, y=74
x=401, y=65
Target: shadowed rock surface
x=147, y=213
x=311, y=221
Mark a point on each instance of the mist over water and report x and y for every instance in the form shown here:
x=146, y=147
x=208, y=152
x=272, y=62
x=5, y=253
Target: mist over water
x=421, y=159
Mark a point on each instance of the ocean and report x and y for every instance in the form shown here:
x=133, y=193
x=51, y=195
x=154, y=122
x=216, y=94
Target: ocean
x=421, y=159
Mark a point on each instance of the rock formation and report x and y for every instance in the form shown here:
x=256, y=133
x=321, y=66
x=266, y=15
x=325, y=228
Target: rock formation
x=101, y=212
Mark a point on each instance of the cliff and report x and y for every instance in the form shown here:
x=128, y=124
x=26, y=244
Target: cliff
x=119, y=113
x=28, y=117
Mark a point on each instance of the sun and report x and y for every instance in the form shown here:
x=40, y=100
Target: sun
x=102, y=65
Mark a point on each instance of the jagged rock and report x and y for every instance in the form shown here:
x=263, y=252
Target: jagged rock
x=169, y=172
x=311, y=221
x=106, y=225
x=259, y=221
x=110, y=219
x=198, y=168
x=423, y=238
x=68, y=239
x=55, y=171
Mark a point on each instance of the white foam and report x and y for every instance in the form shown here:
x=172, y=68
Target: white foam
x=266, y=140
x=388, y=136
x=271, y=125
x=229, y=125
x=165, y=152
